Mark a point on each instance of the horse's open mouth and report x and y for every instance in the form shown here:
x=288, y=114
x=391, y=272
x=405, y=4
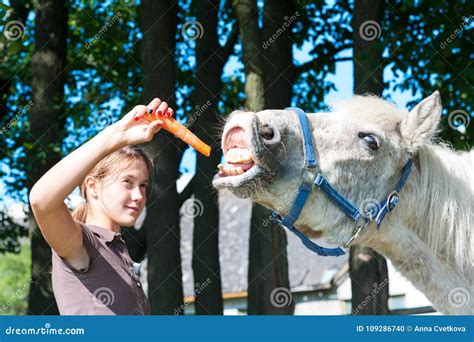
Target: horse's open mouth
x=238, y=160
x=240, y=163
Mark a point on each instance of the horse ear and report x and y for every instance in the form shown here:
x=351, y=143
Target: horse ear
x=421, y=123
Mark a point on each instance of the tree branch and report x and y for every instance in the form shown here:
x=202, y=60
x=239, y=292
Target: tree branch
x=21, y=9
x=341, y=59
x=312, y=63
x=228, y=48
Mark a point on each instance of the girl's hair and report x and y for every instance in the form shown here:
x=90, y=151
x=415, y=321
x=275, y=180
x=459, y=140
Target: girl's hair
x=112, y=164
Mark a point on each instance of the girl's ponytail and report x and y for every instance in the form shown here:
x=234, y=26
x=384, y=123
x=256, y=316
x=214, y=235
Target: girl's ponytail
x=80, y=213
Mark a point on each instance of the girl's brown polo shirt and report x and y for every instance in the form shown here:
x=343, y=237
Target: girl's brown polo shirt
x=108, y=286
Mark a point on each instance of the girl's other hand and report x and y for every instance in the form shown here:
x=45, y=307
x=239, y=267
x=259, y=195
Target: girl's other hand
x=135, y=129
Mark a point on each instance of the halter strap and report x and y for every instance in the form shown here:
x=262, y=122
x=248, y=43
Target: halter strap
x=309, y=177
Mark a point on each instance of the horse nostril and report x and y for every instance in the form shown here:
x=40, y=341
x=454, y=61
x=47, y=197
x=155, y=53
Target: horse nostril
x=266, y=132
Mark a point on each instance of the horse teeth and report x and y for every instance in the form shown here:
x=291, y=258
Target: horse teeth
x=229, y=170
x=238, y=155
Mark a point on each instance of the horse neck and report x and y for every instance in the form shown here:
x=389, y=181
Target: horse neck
x=438, y=203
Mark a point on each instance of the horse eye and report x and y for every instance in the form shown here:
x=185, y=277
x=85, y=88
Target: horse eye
x=370, y=140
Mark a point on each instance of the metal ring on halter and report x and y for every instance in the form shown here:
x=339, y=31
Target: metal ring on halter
x=393, y=194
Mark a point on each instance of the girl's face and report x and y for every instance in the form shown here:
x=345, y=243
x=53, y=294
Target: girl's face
x=123, y=196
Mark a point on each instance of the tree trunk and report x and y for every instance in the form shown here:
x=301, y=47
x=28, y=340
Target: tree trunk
x=279, y=68
x=368, y=49
x=210, y=59
x=136, y=243
x=369, y=282
x=47, y=122
x=268, y=241
x=368, y=269
x=251, y=38
x=165, y=288
x=20, y=12
x=268, y=264
x=4, y=92
x=269, y=286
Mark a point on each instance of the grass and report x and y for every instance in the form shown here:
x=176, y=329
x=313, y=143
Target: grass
x=15, y=270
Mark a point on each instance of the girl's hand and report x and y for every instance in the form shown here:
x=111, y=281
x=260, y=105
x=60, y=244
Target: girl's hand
x=134, y=129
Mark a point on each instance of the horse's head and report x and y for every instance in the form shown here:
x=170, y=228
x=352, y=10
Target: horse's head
x=360, y=148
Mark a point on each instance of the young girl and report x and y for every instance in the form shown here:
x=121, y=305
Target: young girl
x=92, y=270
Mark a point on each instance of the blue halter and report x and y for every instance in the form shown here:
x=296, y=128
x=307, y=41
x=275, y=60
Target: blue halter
x=310, y=178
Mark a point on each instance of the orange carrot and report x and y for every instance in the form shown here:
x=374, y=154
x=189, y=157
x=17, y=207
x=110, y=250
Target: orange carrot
x=174, y=127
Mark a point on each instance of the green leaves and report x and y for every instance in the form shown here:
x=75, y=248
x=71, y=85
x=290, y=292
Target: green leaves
x=431, y=46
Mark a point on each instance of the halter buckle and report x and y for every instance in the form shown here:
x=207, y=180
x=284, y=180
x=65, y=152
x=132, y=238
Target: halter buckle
x=308, y=175
x=392, y=196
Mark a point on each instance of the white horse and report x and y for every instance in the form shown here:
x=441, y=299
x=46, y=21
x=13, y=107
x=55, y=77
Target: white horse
x=361, y=148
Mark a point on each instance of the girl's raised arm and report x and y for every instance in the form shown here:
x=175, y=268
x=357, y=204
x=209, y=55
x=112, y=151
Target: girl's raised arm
x=48, y=194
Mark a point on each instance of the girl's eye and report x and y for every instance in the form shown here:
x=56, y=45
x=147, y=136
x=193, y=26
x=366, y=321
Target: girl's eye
x=128, y=181
x=370, y=140
x=145, y=186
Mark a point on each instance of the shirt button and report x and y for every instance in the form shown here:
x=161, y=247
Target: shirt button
x=139, y=284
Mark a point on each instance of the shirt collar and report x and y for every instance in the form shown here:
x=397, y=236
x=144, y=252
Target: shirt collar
x=103, y=233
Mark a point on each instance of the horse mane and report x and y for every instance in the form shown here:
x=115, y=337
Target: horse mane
x=447, y=186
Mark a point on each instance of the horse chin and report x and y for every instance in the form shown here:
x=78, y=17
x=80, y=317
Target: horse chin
x=242, y=185
x=339, y=232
